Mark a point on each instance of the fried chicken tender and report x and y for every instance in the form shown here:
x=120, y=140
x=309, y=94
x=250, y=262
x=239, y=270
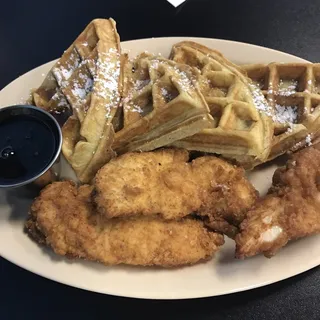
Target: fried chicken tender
x=64, y=218
x=165, y=183
x=291, y=210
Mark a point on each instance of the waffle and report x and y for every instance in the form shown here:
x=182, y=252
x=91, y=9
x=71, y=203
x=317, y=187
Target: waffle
x=242, y=129
x=293, y=93
x=86, y=82
x=162, y=103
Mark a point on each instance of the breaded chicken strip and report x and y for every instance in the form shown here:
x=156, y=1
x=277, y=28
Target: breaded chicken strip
x=63, y=217
x=164, y=183
x=291, y=210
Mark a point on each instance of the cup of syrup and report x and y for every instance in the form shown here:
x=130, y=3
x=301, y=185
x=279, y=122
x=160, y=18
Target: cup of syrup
x=30, y=145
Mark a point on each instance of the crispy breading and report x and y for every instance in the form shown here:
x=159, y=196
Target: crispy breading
x=165, y=183
x=64, y=218
x=291, y=209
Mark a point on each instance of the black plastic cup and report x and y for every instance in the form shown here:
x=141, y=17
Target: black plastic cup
x=30, y=146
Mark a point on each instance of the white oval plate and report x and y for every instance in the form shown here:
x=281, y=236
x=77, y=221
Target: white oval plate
x=222, y=275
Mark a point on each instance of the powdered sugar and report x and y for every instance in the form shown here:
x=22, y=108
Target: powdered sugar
x=287, y=87
x=308, y=140
x=140, y=84
x=62, y=101
x=184, y=81
x=135, y=108
x=154, y=64
x=82, y=91
x=297, y=146
x=21, y=101
x=259, y=100
x=164, y=92
x=64, y=72
x=107, y=77
x=289, y=130
x=285, y=114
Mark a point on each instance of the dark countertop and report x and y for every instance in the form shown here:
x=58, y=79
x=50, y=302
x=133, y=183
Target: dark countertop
x=35, y=32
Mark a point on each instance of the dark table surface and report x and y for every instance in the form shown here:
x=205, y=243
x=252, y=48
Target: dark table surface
x=35, y=32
